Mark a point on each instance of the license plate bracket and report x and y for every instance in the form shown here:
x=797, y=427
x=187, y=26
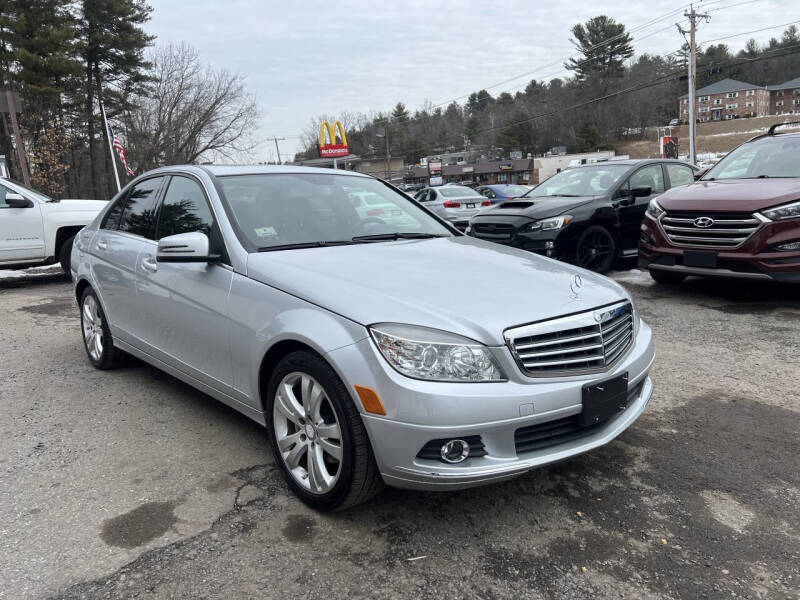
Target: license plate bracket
x=700, y=258
x=604, y=399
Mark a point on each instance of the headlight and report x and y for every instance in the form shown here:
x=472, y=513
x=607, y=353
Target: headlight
x=551, y=223
x=654, y=209
x=435, y=355
x=787, y=211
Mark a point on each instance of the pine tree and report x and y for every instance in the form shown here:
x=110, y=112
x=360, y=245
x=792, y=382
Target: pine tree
x=112, y=49
x=604, y=45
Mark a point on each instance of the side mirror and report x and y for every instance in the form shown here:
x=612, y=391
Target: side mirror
x=641, y=192
x=185, y=247
x=700, y=173
x=18, y=201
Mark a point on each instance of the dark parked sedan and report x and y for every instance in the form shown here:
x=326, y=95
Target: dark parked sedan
x=587, y=215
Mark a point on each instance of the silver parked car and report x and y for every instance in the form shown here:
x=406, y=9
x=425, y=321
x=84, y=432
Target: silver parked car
x=368, y=357
x=455, y=203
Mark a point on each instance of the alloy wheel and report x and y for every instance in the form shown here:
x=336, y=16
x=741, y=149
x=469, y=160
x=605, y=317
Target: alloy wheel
x=594, y=251
x=307, y=432
x=92, y=323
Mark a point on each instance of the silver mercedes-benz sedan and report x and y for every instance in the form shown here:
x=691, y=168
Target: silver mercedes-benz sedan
x=374, y=351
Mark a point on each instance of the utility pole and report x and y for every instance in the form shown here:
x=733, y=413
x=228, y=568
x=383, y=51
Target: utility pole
x=277, y=149
x=384, y=133
x=693, y=17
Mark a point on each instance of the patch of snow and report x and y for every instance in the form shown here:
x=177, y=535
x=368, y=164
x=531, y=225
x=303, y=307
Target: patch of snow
x=633, y=276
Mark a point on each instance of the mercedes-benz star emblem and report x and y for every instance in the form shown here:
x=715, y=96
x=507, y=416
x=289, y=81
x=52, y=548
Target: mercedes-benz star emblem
x=574, y=286
x=703, y=222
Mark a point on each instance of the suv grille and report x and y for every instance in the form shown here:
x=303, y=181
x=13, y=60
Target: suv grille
x=726, y=230
x=583, y=343
x=560, y=431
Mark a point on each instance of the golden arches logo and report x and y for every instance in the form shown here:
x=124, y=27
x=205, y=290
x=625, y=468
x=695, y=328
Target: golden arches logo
x=331, y=149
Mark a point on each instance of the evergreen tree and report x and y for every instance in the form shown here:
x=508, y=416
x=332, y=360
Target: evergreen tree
x=604, y=45
x=112, y=49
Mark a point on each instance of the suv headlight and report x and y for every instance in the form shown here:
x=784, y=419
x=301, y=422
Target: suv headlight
x=434, y=355
x=785, y=211
x=654, y=209
x=548, y=224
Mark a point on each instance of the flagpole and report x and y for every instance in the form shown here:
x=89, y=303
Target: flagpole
x=110, y=143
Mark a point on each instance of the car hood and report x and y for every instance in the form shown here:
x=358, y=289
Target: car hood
x=537, y=208
x=459, y=284
x=731, y=195
x=74, y=205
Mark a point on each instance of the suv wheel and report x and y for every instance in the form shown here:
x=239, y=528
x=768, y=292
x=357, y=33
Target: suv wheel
x=96, y=335
x=667, y=277
x=596, y=249
x=317, y=436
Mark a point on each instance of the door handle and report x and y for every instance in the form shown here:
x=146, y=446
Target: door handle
x=102, y=245
x=149, y=264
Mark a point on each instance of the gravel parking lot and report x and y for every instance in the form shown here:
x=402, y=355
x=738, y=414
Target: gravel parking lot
x=131, y=484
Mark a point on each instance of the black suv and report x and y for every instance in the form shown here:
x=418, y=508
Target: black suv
x=589, y=215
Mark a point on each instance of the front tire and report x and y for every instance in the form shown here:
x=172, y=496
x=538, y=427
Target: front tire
x=667, y=277
x=596, y=249
x=97, y=338
x=65, y=254
x=317, y=436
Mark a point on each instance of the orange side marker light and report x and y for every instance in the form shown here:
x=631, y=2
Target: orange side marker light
x=370, y=400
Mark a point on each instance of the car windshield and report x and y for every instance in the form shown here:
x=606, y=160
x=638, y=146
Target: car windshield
x=580, y=181
x=275, y=210
x=769, y=157
x=512, y=190
x=457, y=191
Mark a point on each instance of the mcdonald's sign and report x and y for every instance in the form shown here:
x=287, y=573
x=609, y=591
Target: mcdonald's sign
x=332, y=149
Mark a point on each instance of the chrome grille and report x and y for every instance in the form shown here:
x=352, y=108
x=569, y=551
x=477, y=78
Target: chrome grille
x=720, y=230
x=583, y=343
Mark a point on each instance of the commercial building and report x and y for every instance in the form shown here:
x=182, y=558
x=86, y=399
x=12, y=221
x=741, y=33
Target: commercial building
x=731, y=99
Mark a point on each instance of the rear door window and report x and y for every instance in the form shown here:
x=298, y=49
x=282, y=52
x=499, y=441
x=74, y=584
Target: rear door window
x=679, y=175
x=138, y=216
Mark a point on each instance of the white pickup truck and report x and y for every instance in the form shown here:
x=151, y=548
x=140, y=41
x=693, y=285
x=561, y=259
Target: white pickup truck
x=37, y=230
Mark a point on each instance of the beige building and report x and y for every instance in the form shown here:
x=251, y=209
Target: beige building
x=785, y=97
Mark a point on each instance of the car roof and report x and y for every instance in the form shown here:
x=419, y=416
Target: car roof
x=223, y=170
x=634, y=162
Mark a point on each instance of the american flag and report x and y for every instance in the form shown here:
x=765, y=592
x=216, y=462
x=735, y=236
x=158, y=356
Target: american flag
x=120, y=150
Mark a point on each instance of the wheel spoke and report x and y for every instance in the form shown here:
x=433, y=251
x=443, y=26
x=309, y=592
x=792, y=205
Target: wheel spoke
x=98, y=344
x=287, y=442
x=335, y=450
x=317, y=470
x=329, y=430
x=88, y=317
x=288, y=405
x=88, y=335
x=294, y=456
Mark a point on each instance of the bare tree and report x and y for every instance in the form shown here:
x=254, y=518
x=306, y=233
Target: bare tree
x=191, y=113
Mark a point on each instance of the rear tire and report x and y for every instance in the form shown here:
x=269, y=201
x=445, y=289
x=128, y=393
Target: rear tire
x=667, y=277
x=97, y=340
x=303, y=423
x=65, y=254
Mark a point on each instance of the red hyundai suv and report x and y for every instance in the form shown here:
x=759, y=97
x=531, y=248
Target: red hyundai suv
x=741, y=219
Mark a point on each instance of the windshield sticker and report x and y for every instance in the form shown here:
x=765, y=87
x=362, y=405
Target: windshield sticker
x=266, y=232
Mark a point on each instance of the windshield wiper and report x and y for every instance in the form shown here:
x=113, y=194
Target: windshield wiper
x=301, y=245
x=397, y=235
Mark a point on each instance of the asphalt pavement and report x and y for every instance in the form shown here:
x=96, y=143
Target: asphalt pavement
x=130, y=484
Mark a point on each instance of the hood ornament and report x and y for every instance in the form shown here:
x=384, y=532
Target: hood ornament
x=574, y=286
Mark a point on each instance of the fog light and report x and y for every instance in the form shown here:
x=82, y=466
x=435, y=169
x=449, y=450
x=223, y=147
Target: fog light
x=455, y=451
x=788, y=246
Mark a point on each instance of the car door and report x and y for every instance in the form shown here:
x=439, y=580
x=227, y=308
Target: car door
x=630, y=210
x=185, y=322
x=21, y=231
x=126, y=230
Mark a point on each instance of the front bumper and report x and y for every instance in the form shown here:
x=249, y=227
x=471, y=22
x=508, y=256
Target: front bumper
x=421, y=411
x=756, y=259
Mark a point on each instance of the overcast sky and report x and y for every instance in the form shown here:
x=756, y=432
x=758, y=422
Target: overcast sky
x=305, y=58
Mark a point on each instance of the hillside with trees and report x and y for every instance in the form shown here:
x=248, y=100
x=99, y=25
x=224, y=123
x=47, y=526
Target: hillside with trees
x=609, y=96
